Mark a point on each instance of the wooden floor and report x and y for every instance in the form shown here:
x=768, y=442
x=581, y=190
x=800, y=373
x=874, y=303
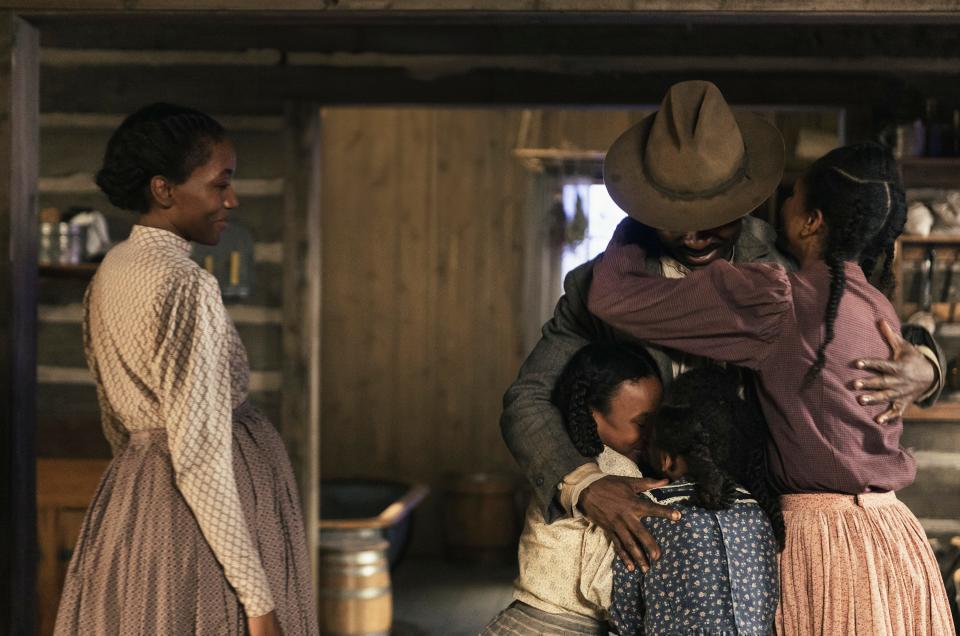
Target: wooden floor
x=438, y=598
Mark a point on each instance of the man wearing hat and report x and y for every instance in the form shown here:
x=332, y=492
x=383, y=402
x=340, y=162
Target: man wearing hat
x=688, y=175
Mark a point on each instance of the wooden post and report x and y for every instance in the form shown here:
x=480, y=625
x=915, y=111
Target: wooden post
x=19, y=165
x=301, y=310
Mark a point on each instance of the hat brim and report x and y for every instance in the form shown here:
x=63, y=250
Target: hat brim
x=629, y=187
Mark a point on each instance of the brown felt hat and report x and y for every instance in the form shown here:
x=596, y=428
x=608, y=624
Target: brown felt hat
x=694, y=164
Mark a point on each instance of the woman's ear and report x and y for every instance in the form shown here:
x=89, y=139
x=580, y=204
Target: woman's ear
x=813, y=224
x=161, y=190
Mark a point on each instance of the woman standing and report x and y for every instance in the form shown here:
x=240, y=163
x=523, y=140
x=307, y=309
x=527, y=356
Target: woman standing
x=196, y=526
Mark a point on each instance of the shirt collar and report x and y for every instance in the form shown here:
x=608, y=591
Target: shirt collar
x=153, y=236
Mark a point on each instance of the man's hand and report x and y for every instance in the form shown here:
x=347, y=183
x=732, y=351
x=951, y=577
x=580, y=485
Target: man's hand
x=899, y=381
x=612, y=503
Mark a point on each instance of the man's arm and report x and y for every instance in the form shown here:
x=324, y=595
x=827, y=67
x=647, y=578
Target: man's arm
x=923, y=339
x=532, y=426
x=533, y=430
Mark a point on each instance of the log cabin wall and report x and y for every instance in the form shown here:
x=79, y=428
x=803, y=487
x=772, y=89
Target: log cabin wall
x=72, y=146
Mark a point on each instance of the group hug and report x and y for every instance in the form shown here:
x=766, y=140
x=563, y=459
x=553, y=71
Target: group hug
x=711, y=420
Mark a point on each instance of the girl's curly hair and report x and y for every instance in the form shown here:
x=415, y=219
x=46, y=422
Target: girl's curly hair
x=721, y=436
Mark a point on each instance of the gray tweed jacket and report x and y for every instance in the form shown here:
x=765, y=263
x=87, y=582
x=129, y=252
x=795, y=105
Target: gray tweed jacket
x=532, y=426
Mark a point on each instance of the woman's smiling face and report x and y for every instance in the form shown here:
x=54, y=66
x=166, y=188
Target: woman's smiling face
x=203, y=202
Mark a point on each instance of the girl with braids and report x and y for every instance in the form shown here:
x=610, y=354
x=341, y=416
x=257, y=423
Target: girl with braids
x=196, y=526
x=605, y=394
x=718, y=572
x=856, y=560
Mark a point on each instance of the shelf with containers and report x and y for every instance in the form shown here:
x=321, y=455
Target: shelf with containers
x=927, y=274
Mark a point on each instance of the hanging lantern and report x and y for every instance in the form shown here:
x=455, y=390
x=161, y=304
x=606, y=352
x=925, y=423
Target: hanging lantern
x=577, y=227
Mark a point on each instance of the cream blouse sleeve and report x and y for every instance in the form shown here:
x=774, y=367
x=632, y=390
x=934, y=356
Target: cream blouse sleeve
x=115, y=433
x=192, y=358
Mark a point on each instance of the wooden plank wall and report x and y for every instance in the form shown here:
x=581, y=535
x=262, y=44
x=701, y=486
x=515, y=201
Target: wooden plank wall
x=422, y=282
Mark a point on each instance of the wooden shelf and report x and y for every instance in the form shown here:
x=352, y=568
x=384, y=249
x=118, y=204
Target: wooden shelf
x=79, y=270
x=931, y=172
x=932, y=239
x=945, y=410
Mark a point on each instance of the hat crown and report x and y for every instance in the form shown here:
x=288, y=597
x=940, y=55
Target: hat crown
x=695, y=145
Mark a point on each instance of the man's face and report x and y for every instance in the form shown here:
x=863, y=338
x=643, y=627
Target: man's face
x=702, y=247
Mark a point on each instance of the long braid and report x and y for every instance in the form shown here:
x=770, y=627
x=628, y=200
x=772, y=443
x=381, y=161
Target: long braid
x=857, y=189
x=884, y=244
x=589, y=382
x=579, y=419
x=715, y=489
x=838, y=282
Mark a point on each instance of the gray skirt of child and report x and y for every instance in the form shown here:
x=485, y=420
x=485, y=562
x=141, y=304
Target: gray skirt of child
x=520, y=619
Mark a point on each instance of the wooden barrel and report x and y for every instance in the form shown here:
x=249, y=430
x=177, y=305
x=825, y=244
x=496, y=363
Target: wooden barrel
x=354, y=595
x=481, y=518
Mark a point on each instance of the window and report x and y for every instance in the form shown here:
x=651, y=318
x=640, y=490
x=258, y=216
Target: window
x=602, y=215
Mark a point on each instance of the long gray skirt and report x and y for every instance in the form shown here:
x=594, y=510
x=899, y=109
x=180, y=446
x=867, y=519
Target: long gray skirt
x=142, y=567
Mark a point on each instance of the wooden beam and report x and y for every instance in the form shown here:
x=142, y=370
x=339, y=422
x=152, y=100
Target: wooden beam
x=19, y=168
x=259, y=90
x=532, y=7
x=300, y=425
x=620, y=38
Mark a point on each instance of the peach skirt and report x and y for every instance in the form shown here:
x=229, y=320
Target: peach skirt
x=858, y=565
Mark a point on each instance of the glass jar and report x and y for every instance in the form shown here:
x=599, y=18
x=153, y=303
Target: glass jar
x=47, y=250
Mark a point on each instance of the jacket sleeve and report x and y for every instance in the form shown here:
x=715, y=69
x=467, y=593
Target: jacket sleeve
x=532, y=426
x=920, y=337
x=730, y=313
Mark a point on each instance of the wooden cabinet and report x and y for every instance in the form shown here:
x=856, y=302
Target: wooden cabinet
x=64, y=490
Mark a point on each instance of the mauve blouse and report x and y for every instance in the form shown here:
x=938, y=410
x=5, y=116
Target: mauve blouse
x=761, y=317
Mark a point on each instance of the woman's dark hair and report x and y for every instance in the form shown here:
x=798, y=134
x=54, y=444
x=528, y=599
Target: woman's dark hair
x=721, y=436
x=588, y=383
x=859, y=191
x=157, y=140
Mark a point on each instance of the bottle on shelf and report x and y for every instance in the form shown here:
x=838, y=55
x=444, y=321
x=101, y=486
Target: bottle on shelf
x=955, y=151
x=939, y=132
x=48, y=251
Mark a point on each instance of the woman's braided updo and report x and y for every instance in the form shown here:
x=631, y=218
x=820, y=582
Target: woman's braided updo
x=858, y=190
x=589, y=382
x=157, y=140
